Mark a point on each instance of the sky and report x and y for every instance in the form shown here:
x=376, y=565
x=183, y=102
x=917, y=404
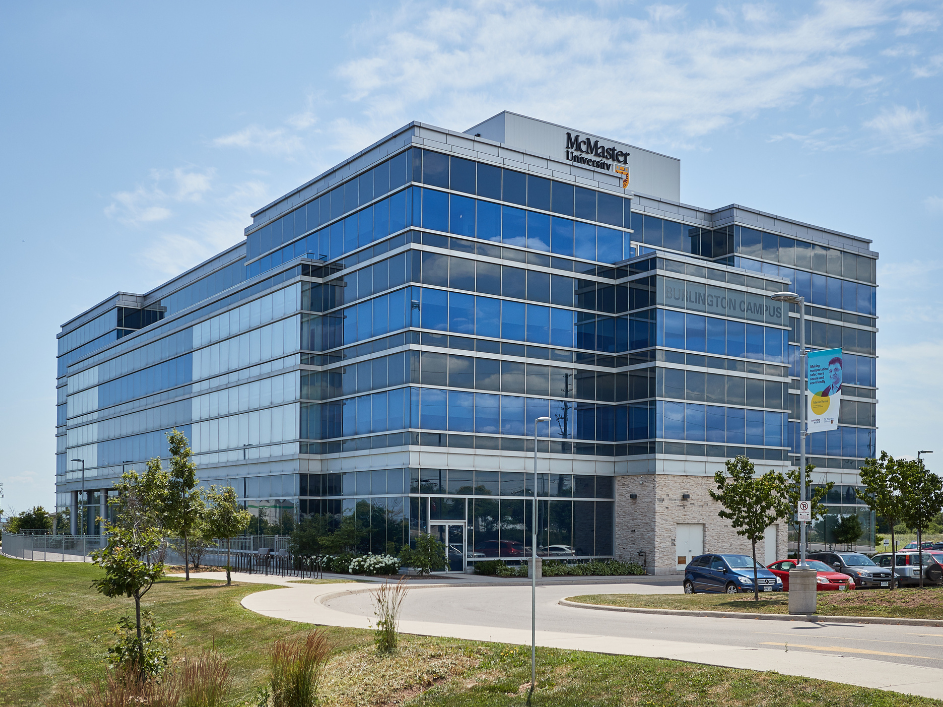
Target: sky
x=136, y=139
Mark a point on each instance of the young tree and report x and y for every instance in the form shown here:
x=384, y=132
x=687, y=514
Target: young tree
x=184, y=506
x=225, y=519
x=36, y=518
x=922, y=494
x=751, y=503
x=815, y=495
x=882, y=483
x=848, y=530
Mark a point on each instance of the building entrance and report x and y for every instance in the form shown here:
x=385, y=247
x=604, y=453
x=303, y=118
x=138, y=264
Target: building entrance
x=452, y=536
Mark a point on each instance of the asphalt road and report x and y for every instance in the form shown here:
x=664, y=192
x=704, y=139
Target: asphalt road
x=509, y=608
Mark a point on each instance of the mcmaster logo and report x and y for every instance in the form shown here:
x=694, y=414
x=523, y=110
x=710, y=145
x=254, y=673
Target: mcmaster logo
x=581, y=150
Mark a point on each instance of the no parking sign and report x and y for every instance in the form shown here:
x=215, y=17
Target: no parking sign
x=805, y=511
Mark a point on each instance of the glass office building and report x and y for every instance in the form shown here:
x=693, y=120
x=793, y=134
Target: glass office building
x=382, y=340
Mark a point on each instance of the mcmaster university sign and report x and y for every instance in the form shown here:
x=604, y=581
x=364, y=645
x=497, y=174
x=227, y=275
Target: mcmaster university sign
x=582, y=150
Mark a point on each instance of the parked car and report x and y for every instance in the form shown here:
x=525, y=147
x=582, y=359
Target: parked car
x=502, y=548
x=556, y=551
x=857, y=566
x=938, y=546
x=728, y=574
x=908, y=566
x=826, y=578
x=927, y=545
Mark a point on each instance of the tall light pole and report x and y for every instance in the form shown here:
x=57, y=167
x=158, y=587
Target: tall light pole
x=82, y=461
x=924, y=451
x=793, y=298
x=533, y=570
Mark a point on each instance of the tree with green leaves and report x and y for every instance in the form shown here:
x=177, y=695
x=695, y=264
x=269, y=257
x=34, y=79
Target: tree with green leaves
x=922, y=493
x=35, y=519
x=429, y=555
x=184, y=506
x=848, y=530
x=882, y=483
x=225, y=519
x=815, y=495
x=750, y=503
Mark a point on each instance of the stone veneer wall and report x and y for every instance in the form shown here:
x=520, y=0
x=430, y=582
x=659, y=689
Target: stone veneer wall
x=648, y=523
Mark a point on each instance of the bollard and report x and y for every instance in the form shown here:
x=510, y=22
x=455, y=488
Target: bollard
x=802, y=591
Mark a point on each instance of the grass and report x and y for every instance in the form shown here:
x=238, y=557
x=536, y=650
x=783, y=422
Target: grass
x=900, y=603
x=54, y=631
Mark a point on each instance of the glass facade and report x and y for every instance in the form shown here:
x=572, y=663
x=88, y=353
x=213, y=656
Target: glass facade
x=434, y=302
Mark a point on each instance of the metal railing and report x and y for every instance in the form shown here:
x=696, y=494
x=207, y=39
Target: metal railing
x=52, y=548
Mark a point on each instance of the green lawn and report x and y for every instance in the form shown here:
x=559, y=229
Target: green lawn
x=900, y=603
x=54, y=631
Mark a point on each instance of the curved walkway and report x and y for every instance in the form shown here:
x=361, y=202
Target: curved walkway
x=906, y=659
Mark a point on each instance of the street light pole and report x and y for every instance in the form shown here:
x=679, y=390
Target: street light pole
x=533, y=571
x=793, y=298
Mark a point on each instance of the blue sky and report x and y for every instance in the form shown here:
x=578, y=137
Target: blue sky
x=136, y=140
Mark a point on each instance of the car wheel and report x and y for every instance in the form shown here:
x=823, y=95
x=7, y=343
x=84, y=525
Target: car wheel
x=688, y=587
x=935, y=574
x=731, y=588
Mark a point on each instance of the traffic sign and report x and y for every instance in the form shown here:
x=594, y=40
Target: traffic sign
x=805, y=511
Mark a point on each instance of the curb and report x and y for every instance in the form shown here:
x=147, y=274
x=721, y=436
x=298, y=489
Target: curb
x=810, y=618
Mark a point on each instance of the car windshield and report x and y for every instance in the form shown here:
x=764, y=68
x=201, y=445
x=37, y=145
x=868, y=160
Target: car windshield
x=737, y=562
x=856, y=560
x=818, y=566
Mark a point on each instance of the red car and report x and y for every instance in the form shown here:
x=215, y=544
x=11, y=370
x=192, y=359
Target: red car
x=826, y=578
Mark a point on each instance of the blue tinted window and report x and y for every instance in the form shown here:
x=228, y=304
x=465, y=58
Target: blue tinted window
x=397, y=310
x=833, y=295
x=736, y=339
x=652, y=231
x=609, y=209
x=561, y=327
x=803, y=285
x=736, y=426
x=398, y=212
x=512, y=320
x=866, y=304
x=774, y=345
x=538, y=324
x=538, y=231
x=435, y=169
x=585, y=237
x=674, y=329
x=819, y=290
x=434, y=309
x=381, y=219
x=605, y=335
x=538, y=192
x=434, y=409
x=379, y=414
x=674, y=420
x=365, y=226
x=435, y=210
x=609, y=245
x=695, y=332
x=487, y=413
x=673, y=235
x=514, y=224
x=694, y=422
x=463, y=175
x=364, y=320
x=395, y=417
x=534, y=408
x=381, y=318
x=489, y=221
x=462, y=216
x=833, y=442
x=585, y=421
x=515, y=187
x=585, y=204
x=512, y=415
x=754, y=342
x=461, y=412
x=461, y=313
x=562, y=198
x=489, y=181
x=586, y=335
x=774, y=429
x=363, y=415
x=716, y=336
x=605, y=423
x=488, y=317
x=561, y=239
x=754, y=427
x=715, y=420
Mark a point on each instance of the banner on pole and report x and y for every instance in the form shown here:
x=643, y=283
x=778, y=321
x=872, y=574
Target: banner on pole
x=824, y=384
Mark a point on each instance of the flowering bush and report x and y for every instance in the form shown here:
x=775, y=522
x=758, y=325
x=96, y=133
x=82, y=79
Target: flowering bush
x=374, y=564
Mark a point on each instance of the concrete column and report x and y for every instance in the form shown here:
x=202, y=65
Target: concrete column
x=102, y=508
x=802, y=590
x=74, y=513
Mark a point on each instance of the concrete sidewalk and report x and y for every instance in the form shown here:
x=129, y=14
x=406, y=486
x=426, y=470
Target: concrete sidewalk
x=306, y=603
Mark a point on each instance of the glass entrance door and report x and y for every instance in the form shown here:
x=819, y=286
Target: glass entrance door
x=452, y=536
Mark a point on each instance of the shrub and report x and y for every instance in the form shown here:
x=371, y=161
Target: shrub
x=387, y=600
x=498, y=568
x=428, y=555
x=149, y=656
x=297, y=666
x=556, y=568
x=374, y=564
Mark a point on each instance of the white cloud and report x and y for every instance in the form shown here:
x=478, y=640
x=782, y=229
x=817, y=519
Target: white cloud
x=279, y=141
x=932, y=67
x=899, y=128
x=934, y=203
x=630, y=77
x=912, y=21
x=148, y=204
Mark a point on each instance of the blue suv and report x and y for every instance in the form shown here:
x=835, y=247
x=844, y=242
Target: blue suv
x=728, y=574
